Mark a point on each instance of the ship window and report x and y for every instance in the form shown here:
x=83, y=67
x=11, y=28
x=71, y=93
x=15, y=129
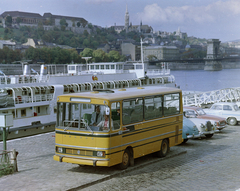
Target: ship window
x=13, y=113
x=37, y=91
x=52, y=90
x=9, y=92
x=138, y=66
x=97, y=67
x=65, y=89
x=112, y=66
x=24, y=92
x=102, y=67
x=23, y=112
x=107, y=67
x=92, y=67
x=43, y=91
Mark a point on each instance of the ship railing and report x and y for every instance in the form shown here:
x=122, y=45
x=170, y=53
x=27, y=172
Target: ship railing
x=29, y=99
x=152, y=72
x=24, y=79
x=39, y=98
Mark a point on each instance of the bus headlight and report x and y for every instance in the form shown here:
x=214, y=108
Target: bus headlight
x=59, y=149
x=101, y=153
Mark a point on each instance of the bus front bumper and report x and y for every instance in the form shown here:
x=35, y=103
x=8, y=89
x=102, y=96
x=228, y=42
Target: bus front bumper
x=90, y=162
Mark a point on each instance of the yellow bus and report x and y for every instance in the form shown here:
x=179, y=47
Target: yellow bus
x=110, y=127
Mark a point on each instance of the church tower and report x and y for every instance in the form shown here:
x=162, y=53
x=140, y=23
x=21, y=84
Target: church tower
x=126, y=19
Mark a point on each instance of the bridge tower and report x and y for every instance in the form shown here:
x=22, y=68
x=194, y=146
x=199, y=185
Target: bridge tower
x=212, y=63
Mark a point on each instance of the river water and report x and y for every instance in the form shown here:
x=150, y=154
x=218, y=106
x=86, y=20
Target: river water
x=201, y=80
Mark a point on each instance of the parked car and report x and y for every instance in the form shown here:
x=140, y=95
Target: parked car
x=228, y=110
x=205, y=127
x=189, y=130
x=198, y=112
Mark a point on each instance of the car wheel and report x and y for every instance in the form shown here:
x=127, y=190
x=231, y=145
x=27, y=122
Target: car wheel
x=185, y=140
x=209, y=135
x=125, y=160
x=232, y=121
x=164, y=148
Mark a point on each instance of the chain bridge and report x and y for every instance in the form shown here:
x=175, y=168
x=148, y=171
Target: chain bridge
x=210, y=97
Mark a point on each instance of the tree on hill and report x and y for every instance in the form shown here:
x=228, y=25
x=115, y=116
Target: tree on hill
x=18, y=20
x=99, y=56
x=151, y=57
x=114, y=56
x=8, y=21
x=63, y=24
x=87, y=52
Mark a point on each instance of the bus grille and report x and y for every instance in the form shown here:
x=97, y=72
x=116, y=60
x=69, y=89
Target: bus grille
x=79, y=152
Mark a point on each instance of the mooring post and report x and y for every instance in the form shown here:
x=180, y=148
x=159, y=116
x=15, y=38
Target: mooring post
x=6, y=120
x=13, y=159
x=4, y=143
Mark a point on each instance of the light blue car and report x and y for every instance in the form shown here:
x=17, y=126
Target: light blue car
x=189, y=130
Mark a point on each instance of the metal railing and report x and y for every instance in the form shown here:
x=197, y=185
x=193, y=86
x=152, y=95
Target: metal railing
x=222, y=95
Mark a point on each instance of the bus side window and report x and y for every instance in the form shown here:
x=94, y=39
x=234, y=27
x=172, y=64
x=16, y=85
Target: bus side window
x=171, y=104
x=115, y=110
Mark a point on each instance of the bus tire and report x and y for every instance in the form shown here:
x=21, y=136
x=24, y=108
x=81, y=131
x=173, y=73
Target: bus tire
x=125, y=160
x=164, y=148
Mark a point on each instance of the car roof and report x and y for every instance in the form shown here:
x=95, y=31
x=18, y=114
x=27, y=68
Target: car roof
x=190, y=107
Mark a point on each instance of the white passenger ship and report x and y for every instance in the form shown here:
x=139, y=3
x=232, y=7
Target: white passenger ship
x=32, y=98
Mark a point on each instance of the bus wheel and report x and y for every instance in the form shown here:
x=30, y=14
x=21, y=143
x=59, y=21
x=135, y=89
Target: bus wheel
x=125, y=160
x=164, y=149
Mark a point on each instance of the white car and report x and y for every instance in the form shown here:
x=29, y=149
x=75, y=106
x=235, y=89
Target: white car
x=205, y=127
x=228, y=110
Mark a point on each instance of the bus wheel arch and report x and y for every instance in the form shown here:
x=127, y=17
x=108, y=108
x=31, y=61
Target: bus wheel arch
x=164, y=148
x=127, y=158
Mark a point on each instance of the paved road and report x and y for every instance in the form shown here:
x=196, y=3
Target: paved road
x=206, y=164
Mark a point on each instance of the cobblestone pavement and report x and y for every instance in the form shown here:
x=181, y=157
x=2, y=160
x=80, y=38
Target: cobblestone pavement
x=206, y=164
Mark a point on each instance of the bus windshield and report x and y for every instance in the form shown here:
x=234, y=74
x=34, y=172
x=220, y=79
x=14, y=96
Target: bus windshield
x=82, y=116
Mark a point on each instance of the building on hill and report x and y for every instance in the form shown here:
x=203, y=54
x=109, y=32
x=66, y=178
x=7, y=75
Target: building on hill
x=40, y=44
x=34, y=43
x=28, y=19
x=75, y=24
x=182, y=35
x=161, y=52
x=104, y=47
x=7, y=43
x=128, y=27
x=49, y=21
x=131, y=50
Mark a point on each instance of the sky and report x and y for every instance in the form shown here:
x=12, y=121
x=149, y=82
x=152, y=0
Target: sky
x=219, y=19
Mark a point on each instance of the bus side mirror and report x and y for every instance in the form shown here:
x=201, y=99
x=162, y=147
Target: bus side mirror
x=107, y=111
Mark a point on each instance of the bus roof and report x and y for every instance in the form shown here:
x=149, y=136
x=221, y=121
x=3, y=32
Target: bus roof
x=124, y=93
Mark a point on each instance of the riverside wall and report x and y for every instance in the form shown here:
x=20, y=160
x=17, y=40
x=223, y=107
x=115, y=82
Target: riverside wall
x=200, y=66
x=16, y=69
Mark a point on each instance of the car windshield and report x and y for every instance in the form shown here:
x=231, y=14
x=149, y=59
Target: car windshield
x=190, y=113
x=201, y=112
